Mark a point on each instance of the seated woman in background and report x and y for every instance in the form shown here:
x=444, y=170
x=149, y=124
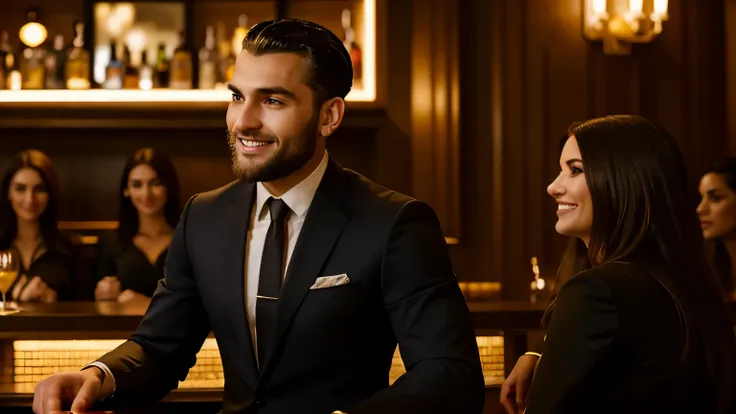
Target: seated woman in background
x=717, y=212
x=29, y=206
x=131, y=265
x=641, y=327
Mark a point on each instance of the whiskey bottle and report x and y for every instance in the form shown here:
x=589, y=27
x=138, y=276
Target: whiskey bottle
x=114, y=70
x=208, y=61
x=146, y=73
x=130, y=69
x=56, y=65
x=227, y=59
x=6, y=59
x=77, y=64
x=181, y=66
x=356, y=54
x=162, y=68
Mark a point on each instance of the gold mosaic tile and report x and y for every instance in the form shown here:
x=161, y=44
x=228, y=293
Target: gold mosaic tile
x=35, y=360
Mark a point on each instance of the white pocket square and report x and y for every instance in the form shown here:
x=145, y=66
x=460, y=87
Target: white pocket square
x=330, y=281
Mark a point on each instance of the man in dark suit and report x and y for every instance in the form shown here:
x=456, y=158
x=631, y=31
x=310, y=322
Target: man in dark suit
x=308, y=274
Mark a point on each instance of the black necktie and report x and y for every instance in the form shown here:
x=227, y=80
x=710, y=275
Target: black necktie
x=269, y=284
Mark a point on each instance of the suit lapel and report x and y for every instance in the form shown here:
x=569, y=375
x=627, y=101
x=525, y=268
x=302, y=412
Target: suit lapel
x=322, y=227
x=236, y=222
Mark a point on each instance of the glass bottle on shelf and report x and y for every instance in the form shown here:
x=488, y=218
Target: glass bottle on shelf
x=145, y=80
x=208, y=61
x=6, y=59
x=162, y=68
x=227, y=59
x=77, y=64
x=114, y=70
x=32, y=68
x=130, y=69
x=181, y=66
x=239, y=34
x=356, y=54
x=56, y=65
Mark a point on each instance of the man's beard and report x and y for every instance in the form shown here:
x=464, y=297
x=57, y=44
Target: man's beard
x=292, y=154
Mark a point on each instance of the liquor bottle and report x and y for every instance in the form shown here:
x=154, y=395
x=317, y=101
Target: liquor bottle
x=56, y=65
x=32, y=68
x=6, y=59
x=227, y=59
x=114, y=70
x=162, y=68
x=146, y=73
x=130, y=70
x=239, y=34
x=181, y=66
x=356, y=54
x=77, y=64
x=208, y=61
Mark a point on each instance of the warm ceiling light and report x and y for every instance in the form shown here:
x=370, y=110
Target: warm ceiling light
x=32, y=33
x=621, y=23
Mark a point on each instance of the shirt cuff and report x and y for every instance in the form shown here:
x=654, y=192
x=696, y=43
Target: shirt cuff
x=108, y=381
x=538, y=355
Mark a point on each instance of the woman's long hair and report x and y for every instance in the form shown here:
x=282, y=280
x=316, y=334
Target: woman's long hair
x=127, y=213
x=641, y=210
x=721, y=260
x=41, y=163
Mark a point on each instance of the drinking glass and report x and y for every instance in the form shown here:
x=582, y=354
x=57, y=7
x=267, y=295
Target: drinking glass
x=9, y=267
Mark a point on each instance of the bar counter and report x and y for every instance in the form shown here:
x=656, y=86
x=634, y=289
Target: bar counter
x=43, y=336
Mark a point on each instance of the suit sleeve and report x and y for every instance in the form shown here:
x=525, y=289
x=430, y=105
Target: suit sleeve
x=431, y=322
x=163, y=348
x=580, y=342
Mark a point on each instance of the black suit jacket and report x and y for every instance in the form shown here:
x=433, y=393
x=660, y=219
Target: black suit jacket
x=333, y=347
x=613, y=345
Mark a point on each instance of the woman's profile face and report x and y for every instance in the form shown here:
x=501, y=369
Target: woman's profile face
x=570, y=190
x=28, y=194
x=717, y=208
x=146, y=191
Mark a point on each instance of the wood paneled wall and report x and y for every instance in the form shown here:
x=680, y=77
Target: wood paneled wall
x=526, y=74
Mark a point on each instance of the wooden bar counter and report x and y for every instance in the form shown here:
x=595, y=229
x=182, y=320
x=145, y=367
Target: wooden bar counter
x=46, y=338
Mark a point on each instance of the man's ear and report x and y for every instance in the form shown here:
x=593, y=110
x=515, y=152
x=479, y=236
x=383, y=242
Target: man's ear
x=332, y=112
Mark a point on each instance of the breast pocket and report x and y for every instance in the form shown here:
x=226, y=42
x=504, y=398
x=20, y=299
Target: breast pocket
x=327, y=294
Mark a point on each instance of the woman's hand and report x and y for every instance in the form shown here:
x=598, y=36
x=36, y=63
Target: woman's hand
x=108, y=288
x=131, y=296
x=37, y=291
x=516, y=386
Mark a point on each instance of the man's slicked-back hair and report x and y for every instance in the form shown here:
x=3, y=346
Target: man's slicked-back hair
x=330, y=68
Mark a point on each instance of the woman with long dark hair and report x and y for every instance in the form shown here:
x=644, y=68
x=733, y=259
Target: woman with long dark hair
x=133, y=263
x=641, y=327
x=29, y=209
x=717, y=213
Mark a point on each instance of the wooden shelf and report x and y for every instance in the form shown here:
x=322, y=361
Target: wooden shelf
x=163, y=114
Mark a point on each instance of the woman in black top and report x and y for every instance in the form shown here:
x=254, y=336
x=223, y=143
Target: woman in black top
x=132, y=263
x=29, y=206
x=641, y=326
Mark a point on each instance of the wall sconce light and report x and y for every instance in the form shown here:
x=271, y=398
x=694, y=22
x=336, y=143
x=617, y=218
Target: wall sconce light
x=32, y=33
x=621, y=23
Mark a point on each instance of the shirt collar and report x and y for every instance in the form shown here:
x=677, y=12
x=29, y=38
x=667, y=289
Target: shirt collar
x=299, y=197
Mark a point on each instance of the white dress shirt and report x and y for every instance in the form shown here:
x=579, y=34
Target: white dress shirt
x=298, y=199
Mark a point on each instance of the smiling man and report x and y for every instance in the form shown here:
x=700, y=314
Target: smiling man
x=309, y=274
